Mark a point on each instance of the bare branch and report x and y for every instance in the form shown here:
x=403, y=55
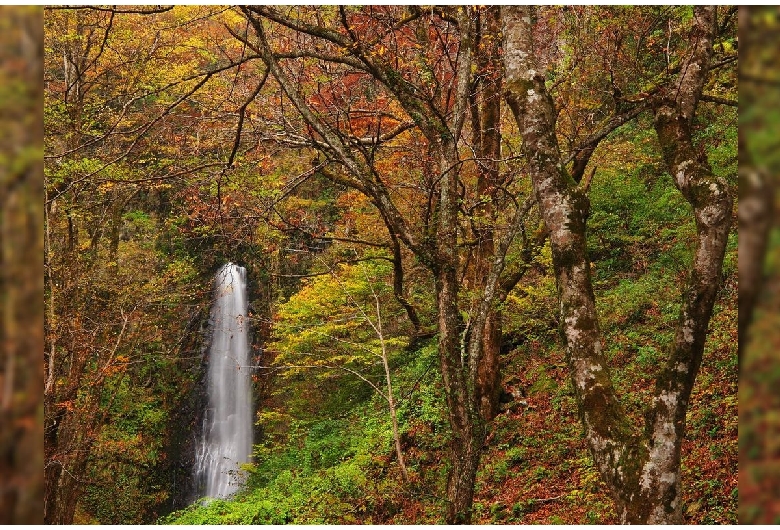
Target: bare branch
x=612, y=124
x=112, y=10
x=241, y=113
x=719, y=100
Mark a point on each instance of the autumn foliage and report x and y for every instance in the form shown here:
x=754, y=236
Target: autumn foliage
x=467, y=231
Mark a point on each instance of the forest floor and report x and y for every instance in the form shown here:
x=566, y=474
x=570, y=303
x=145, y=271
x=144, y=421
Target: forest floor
x=537, y=469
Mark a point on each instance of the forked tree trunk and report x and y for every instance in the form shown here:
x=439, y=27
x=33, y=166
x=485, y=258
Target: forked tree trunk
x=642, y=470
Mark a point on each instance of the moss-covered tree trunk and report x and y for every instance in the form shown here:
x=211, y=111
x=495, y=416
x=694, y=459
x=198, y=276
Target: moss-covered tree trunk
x=712, y=204
x=459, y=386
x=642, y=470
x=466, y=441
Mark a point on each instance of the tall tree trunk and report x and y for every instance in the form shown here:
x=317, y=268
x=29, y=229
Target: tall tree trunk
x=487, y=137
x=459, y=384
x=459, y=393
x=641, y=470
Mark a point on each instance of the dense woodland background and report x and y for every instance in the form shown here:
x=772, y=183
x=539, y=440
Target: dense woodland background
x=361, y=163
x=759, y=478
x=21, y=268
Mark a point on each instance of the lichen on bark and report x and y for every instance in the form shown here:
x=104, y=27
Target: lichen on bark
x=642, y=469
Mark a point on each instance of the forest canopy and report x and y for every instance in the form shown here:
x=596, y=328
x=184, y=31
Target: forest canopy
x=491, y=257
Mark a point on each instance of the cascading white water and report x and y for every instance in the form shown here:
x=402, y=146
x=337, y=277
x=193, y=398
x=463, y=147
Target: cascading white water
x=226, y=440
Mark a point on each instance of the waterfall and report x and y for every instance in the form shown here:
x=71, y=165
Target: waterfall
x=226, y=439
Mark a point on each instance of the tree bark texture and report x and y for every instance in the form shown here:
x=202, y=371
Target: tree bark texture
x=486, y=115
x=642, y=470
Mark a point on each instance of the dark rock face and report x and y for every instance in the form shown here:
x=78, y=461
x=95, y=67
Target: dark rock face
x=187, y=419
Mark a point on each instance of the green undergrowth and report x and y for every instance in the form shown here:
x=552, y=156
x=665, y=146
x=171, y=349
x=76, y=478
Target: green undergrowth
x=335, y=464
x=326, y=453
